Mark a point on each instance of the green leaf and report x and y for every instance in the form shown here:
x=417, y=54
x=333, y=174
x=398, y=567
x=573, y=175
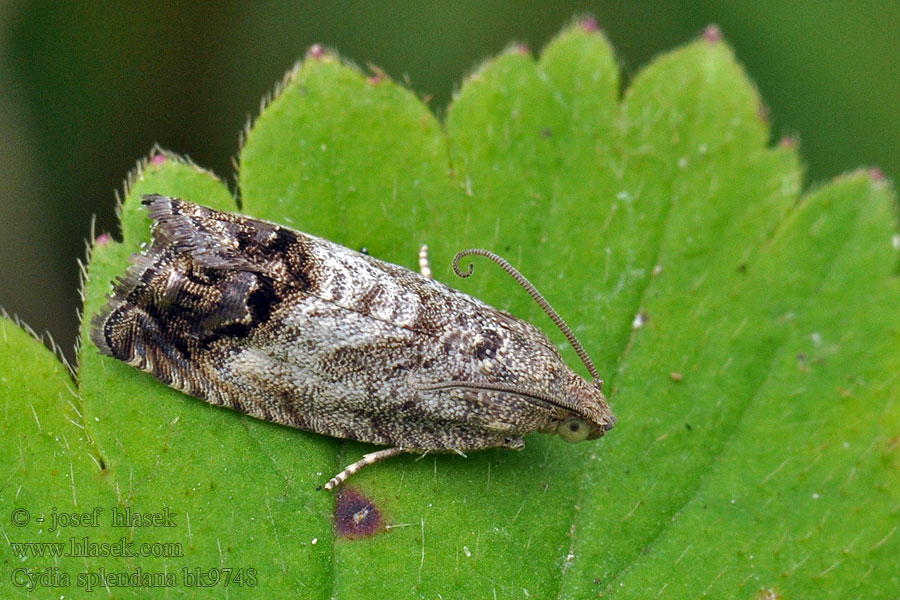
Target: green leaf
x=748, y=337
x=49, y=464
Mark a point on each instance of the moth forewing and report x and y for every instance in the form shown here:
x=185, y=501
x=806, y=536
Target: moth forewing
x=298, y=330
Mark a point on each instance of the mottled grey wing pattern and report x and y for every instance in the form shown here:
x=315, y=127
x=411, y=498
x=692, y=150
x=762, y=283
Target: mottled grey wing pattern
x=297, y=330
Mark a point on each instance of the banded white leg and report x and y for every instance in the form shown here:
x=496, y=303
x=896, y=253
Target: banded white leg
x=368, y=459
x=424, y=264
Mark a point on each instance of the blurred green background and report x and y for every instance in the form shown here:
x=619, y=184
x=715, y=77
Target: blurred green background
x=86, y=89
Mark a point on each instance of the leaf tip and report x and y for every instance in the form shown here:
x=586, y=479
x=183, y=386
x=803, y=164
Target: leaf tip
x=789, y=142
x=316, y=52
x=590, y=25
x=712, y=34
x=377, y=76
x=880, y=181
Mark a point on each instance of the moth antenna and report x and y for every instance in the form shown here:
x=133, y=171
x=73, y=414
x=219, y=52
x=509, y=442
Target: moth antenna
x=536, y=295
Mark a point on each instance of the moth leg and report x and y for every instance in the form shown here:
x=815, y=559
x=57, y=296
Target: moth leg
x=368, y=459
x=424, y=264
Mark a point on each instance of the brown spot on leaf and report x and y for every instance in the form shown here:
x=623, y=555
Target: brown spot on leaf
x=355, y=516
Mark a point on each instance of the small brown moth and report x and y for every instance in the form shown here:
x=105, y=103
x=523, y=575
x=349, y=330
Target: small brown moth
x=297, y=330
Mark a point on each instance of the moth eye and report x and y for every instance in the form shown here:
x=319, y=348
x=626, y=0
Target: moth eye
x=573, y=429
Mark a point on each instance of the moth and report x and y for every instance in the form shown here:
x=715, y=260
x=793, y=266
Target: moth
x=297, y=330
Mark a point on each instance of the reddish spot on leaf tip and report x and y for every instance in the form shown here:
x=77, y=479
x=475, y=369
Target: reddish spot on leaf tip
x=877, y=174
x=102, y=239
x=523, y=49
x=374, y=79
x=788, y=141
x=712, y=34
x=316, y=51
x=589, y=24
x=355, y=516
x=158, y=159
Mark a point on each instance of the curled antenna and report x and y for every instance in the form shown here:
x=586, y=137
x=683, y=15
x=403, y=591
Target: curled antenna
x=538, y=297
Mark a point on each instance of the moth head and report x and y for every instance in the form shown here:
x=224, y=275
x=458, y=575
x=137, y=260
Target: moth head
x=581, y=410
x=589, y=416
x=517, y=359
